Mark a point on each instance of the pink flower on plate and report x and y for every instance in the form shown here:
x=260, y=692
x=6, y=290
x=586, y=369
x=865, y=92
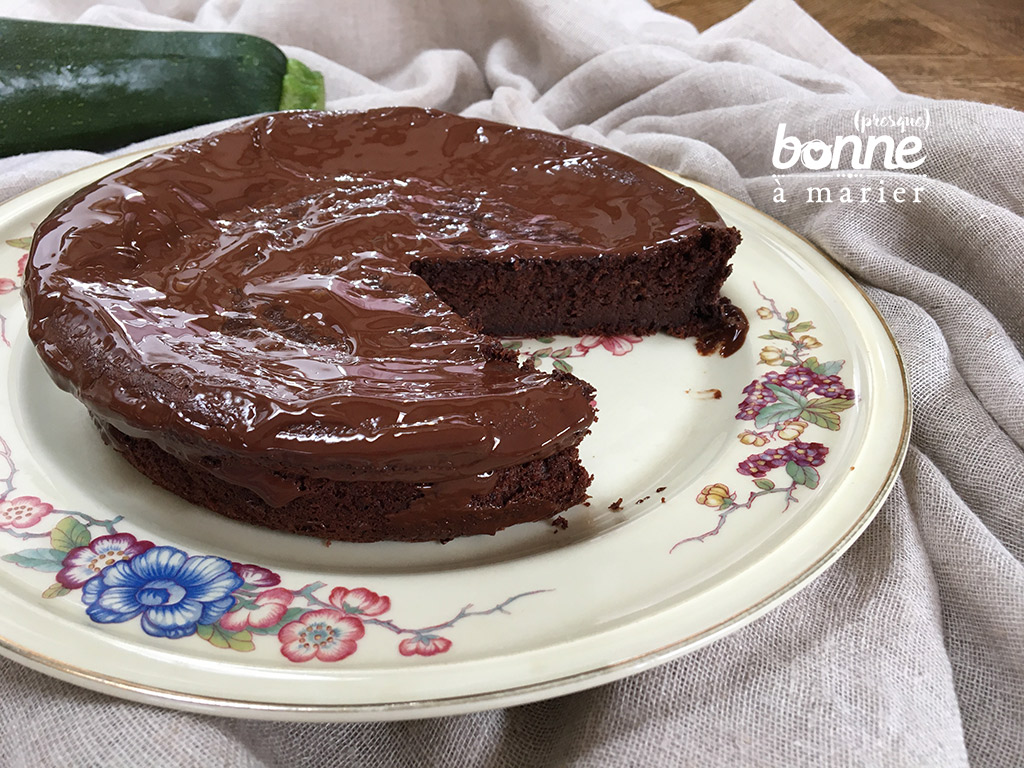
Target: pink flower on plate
x=424, y=645
x=21, y=265
x=617, y=345
x=271, y=606
x=83, y=564
x=7, y=285
x=359, y=601
x=256, y=575
x=23, y=512
x=327, y=635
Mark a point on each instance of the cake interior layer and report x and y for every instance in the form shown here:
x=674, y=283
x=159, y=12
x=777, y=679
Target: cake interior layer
x=674, y=287
x=366, y=511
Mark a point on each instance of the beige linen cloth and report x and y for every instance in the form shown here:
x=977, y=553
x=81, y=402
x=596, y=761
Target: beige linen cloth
x=909, y=651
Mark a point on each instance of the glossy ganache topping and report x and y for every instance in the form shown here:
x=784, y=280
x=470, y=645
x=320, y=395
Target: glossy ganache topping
x=254, y=293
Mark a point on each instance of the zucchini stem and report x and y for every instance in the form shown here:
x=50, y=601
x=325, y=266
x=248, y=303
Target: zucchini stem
x=302, y=87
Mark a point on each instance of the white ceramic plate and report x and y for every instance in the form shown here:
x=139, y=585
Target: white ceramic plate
x=695, y=549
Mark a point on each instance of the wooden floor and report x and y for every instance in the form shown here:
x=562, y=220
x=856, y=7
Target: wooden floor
x=946, y=49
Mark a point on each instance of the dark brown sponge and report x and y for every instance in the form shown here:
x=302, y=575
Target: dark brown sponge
x=366, y=511
x=674, y=287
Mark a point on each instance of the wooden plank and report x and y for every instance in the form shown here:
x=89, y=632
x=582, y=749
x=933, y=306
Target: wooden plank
x=701, y=13
x=946, y=49
x=989, y=79
x=986, y=27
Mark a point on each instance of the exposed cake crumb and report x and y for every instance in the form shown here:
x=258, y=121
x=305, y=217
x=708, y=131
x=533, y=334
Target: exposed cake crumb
x=327, y=542
x=641, y=501
x=660, y=489
x=616, y=506
x=560, y=523
x=662, y=499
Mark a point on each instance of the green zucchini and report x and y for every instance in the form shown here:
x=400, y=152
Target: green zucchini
x=74, y=86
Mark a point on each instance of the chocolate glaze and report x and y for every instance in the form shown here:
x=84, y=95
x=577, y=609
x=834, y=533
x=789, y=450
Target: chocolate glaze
x=725, y=337
x=250, y=297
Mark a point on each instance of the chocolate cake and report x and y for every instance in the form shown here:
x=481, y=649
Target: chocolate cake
x=292, y=322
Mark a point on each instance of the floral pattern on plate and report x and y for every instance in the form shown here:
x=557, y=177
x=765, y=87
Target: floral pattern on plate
x=8, y=284
x=617, y=345
x=174, y=595
x=783, y=404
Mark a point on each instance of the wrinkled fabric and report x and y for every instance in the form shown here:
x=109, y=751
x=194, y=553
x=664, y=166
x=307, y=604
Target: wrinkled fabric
x=910, y=649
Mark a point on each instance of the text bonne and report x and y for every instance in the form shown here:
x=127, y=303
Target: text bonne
x=816, y=155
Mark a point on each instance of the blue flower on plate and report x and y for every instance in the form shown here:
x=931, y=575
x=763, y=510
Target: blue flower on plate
x=172, y=591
